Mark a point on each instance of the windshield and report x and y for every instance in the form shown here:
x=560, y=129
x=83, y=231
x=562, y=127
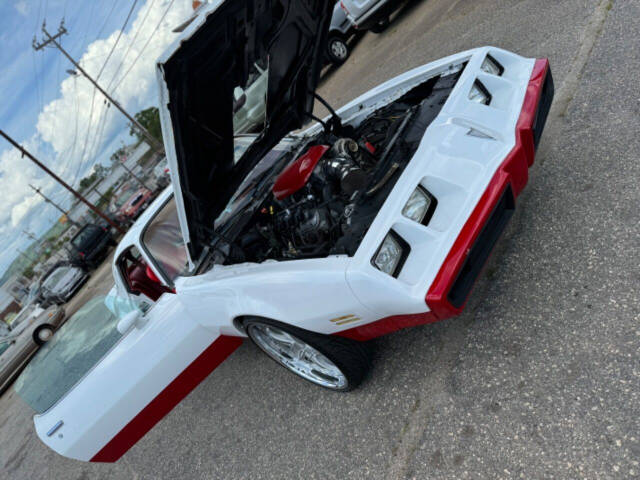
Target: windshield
x=55, y=277
x=164, y=242
x=74, y=350
x=4, y=346
x=84, y=235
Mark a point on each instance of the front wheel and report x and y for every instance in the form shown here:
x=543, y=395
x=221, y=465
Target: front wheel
x=337, y=50
x=335, y=363
x=43, y=334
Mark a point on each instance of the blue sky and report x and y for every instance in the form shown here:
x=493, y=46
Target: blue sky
x=57, y=115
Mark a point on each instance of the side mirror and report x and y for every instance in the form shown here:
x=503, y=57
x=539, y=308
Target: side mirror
x=127, y=322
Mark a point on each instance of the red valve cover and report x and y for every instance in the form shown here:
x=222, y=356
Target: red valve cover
x=297, y=174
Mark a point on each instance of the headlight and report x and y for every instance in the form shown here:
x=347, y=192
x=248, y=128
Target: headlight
x=479, y=93
x=492, y=66
x=391, y=254
x=420, y=206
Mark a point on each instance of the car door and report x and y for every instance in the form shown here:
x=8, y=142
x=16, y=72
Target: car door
x=6, y=353
x=156, y=354
x=13, y=359
x=98, y=389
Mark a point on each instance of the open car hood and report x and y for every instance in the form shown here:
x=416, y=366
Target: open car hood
x=198, y=75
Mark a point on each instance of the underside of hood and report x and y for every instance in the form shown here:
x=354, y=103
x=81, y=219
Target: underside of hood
x=216, y=54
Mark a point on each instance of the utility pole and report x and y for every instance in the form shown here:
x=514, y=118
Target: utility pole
x=52, y=40
x=123, y=162
x=51, y=202
x=25, y=153
x=30, y=235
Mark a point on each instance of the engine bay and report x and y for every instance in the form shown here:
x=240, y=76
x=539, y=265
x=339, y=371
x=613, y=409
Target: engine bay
x=329, y=190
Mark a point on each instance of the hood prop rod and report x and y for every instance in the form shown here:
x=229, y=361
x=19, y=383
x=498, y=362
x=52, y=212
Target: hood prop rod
x=336, y=122
x=326, y=127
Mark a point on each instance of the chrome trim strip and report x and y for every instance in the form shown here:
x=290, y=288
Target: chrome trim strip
x=55, y=428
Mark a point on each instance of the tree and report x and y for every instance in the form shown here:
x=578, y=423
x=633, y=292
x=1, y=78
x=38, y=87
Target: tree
x=100, y=170
x=88, y=181
x=28, y=272
x=149, y=119
x=118, y=154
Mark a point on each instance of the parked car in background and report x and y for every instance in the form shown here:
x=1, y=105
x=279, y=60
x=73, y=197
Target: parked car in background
x=63, y=283
x=161, y=175
x=340, y=31
x=90, y=245
x=135, y=204
x=370, y=14
x=32, y=327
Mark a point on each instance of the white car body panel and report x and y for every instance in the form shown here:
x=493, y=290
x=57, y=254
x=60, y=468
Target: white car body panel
x=312, y=294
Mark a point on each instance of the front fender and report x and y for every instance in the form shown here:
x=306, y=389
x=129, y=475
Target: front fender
x=309, y=294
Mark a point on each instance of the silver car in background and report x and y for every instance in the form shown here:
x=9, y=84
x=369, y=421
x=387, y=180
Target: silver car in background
x=62, y=284
x=32, y=327
x=370, y=14
x=340, y=31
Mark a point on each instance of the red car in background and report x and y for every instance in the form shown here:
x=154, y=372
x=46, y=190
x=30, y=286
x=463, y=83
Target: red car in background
x=135, y=204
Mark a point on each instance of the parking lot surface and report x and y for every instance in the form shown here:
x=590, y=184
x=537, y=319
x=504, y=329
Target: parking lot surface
x=539, y=378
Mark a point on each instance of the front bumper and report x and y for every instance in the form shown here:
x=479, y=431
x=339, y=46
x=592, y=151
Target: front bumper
x=449, y=292
x=448, y=277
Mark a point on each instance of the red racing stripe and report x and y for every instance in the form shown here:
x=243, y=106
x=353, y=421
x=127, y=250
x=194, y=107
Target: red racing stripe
x=166, y=400
x=513, y=171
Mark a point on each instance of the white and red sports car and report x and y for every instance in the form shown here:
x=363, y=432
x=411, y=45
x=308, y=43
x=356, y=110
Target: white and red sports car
x=309, y=242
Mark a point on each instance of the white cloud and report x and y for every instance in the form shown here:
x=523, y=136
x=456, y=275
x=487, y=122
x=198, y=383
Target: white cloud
x=57, y=122
x=22, y=7
x=65, y=122
x=20, y=210
x=16, y=174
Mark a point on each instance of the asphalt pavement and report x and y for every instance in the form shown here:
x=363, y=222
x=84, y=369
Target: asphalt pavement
x=539, y=378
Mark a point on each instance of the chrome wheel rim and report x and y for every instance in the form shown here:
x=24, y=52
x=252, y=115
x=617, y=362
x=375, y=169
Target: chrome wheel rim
x=299, y=357
x=45, y=335
x=339, y=49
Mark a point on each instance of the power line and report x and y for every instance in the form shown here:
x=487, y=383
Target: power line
x=106, y=20
x=103, y=122
x=133, y=41
x=144, y=46
x=126, y=21
x=25, y=153
x=155, y=144
x=93, y=96
x=54, y=204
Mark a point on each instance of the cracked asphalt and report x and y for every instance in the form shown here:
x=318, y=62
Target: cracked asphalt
x=539, y=378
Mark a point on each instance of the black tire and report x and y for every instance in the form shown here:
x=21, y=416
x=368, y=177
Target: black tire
x=352, y=358
x=337, y=50
x=381, y=26
x=45, y=328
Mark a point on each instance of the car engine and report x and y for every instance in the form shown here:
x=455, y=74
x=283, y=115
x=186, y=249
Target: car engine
x=324, y=201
